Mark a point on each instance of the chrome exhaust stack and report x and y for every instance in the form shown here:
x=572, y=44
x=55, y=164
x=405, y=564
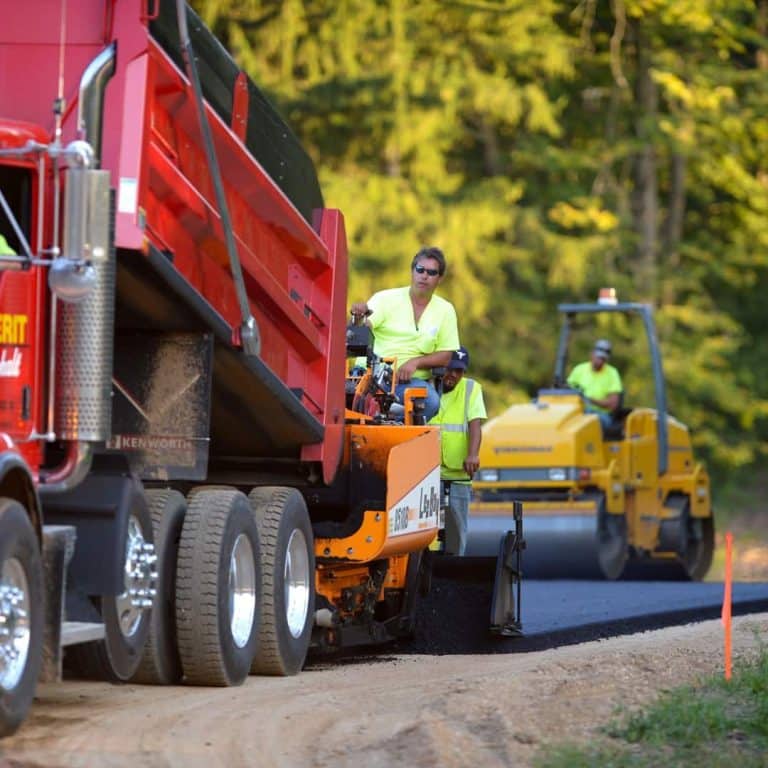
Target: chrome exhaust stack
x=83, y=277
x=90, y=115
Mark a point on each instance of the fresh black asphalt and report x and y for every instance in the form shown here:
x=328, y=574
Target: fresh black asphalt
x=454, y=617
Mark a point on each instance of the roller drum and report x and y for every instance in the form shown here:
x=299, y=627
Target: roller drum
x=558, y=543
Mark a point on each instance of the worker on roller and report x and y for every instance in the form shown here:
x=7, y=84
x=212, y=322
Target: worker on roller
x=599, y=383
x=461, y=414
x=414, y=325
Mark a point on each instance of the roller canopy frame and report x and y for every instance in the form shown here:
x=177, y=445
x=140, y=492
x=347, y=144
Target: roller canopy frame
x=645, y=312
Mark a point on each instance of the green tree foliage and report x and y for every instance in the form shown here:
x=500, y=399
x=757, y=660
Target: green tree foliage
x=549, y=148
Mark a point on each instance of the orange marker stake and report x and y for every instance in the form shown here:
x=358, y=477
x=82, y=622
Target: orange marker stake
x=726, y=615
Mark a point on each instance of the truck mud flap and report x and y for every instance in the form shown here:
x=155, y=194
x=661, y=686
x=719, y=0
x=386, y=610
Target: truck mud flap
x=99, y=509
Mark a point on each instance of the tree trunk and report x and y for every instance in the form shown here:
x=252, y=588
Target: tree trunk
x=491, y=152
x=645, y=196
x=399, y=57
x=673, y=226
x=761, y=57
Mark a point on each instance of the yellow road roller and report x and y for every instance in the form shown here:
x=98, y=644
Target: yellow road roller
x=599, y=501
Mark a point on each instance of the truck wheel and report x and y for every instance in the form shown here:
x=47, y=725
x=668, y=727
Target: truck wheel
x=160, y=663
x=218, y=583
x=21, y=614
x=287, y=578
x=126, y=616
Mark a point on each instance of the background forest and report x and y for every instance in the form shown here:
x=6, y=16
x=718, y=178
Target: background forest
x=550, y=148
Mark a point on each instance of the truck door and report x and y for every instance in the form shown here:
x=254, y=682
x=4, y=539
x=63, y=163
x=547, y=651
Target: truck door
x=20, y=312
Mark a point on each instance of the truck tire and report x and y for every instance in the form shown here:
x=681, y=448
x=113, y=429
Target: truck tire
x=126, y=616
x=287, y=579
x=160, y=663
x=218, y=584
x=21, y=614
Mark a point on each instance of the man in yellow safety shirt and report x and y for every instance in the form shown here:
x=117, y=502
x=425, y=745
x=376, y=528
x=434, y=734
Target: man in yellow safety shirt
x=461, y=413
x=414, y=325
x=599, y=382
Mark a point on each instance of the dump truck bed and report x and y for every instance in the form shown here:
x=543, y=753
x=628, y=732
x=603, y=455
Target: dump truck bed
x=174, y=270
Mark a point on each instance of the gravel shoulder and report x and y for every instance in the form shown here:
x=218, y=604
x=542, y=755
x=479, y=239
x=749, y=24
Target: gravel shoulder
x=391, y=710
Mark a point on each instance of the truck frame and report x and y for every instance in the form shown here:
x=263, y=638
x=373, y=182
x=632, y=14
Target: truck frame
x=182, y=484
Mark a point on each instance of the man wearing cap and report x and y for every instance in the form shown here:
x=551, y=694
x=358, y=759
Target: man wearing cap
x=461, y=414
x=599, y=382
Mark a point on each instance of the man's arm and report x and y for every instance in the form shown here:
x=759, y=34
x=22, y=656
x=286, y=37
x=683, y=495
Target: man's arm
x=574, y=379
x=361, y=310
x=366, y=312
x=609, y=402
x=433, y=360
x=448, y=332
x=472, y=462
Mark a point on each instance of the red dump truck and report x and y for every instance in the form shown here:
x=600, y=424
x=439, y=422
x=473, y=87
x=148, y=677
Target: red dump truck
x=184, y=494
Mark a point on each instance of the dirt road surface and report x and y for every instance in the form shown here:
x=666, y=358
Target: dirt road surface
x=403, y=710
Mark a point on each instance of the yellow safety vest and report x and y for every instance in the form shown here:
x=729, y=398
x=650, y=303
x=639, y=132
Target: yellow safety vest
x=454, y=430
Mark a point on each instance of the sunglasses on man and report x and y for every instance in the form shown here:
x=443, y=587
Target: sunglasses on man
x=431, y=272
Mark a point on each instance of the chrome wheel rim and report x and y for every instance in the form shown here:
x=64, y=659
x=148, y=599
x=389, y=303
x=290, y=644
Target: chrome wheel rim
x=15, y=631
x=242, y=590
x=296, y=581
x=140, y=580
